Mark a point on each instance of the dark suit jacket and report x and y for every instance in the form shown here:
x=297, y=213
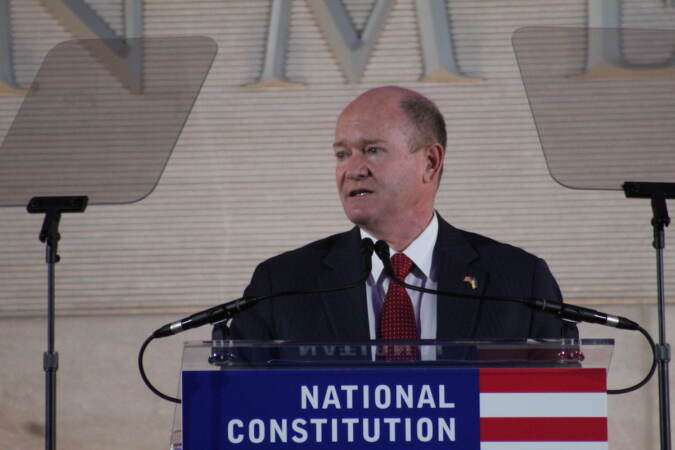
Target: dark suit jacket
x=499, y=270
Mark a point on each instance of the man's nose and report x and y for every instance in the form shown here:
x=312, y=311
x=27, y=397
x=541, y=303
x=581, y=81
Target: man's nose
x=357, y=168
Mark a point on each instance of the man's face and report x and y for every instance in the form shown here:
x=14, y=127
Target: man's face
x=379, y=179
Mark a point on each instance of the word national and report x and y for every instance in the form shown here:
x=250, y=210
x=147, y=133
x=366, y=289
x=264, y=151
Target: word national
x=381, y=396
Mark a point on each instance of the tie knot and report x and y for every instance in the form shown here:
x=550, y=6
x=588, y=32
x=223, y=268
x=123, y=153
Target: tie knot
x=402, y=265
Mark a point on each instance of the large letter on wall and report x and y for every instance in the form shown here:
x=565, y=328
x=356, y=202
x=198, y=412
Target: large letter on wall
x=439, y=58
x=7, y=81
x=351, y=52
x=274, y=65
x=125, y=63
x=605, y=58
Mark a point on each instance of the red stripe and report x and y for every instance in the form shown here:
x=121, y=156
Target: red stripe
x=543, y=429
x=543, y=380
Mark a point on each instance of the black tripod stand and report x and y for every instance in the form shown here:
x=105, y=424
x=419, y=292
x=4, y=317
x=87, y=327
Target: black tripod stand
x=658, y=193
x=83, y=136
x=52, y=207
x=602, y=120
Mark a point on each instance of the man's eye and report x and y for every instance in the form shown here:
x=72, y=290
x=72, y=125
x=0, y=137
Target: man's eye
x=341, y=155
x=372, y=150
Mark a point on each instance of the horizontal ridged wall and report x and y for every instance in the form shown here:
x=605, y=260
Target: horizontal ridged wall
x=252, y=173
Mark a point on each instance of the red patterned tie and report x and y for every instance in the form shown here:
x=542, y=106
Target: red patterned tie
x=397, y=318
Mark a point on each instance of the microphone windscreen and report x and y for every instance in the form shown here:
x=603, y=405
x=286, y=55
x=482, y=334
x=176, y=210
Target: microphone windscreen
x=367, y=246
x=382, y=250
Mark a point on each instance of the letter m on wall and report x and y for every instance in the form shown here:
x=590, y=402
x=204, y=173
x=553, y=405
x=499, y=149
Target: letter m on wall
x=353, y=51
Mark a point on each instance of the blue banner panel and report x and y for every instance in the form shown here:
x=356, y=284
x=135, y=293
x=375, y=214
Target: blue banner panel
x=331, y=409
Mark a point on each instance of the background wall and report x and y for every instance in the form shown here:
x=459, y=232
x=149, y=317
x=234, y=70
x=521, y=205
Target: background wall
x=252, y=175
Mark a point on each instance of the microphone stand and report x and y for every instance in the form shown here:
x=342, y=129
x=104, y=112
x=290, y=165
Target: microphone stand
x=52, y=207
x=658, y=193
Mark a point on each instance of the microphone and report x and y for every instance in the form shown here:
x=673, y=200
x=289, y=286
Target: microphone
x=211, y=315
x=232, y=308
x=563, y=310
x=580, y=314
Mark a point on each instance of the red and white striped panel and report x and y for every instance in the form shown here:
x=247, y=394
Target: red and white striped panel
x=543, y=409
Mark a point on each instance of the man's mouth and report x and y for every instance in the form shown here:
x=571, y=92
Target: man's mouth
x=359, y=192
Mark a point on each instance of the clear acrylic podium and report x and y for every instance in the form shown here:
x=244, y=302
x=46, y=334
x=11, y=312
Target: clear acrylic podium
x=462, y=394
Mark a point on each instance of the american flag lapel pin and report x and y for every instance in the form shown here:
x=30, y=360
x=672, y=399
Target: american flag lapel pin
x=471, y=280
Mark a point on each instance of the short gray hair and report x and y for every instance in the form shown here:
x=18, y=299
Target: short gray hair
x=426, y=119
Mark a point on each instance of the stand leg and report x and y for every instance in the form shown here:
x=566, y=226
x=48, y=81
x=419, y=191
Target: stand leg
x=661, y=220
x=663, y=355
x=50, y=365
x=52, y=207
x=664, y=404
x=51, y=358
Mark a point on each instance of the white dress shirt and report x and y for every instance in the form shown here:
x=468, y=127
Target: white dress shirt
x=420, y=251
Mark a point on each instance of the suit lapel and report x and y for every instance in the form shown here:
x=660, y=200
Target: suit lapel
x=346, y=310
x=453, y=257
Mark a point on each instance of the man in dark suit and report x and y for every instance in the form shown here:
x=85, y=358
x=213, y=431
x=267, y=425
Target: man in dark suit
x=389, y=148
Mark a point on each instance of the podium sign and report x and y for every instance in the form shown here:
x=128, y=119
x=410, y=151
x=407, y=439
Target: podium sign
x=371, y=405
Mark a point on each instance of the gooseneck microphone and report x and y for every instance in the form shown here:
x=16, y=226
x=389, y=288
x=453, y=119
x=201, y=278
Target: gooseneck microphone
x=230, y=309
x=563, y=310
x=227, y=310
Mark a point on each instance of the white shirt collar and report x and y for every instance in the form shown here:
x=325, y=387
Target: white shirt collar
x=420, y=251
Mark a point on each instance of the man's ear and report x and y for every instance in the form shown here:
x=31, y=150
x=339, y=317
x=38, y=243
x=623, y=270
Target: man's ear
x=434, y=162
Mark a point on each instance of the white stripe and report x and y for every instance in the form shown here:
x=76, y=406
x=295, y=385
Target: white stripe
x=544, y=446
x=592, y=404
